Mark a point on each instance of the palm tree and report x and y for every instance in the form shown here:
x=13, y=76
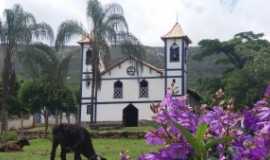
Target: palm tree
x=47, y=65
x=108, y=27
x=18, y=29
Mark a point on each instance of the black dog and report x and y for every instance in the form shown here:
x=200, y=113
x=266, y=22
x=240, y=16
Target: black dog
x=15, y=146
x=73, y=138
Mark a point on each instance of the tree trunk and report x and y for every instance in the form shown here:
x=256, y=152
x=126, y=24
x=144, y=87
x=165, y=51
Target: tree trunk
x=21, y=119
x=68, y=117
x=95, y=104
x=46, y=118
x=8, y=78
x=4, y=119
x=34, y=121
x=56, y=118
x=21, y=127
x=93, y=87
x=78, y=116
x=61, y=117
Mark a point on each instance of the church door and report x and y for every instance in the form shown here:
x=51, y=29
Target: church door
x=130, y=116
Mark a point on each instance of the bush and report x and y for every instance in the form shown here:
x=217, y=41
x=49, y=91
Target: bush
x=8, y=136
x=215, y=133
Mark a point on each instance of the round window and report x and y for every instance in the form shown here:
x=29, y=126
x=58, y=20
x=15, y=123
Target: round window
x=131, y=70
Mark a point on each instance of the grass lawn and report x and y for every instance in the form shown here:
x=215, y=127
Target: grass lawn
x=110, y=148
x=124, y=129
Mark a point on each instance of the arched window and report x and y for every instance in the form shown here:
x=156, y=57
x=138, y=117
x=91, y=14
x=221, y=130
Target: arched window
x=174, y=53
x=88, y=57
x=118, y=89
x=143, y=89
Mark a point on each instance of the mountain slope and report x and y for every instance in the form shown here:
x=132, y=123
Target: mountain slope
x=154, y=55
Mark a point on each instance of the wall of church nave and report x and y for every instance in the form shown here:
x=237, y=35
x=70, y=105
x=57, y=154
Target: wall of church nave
x=131, y=90
x=114, y=112
x=174, y=73
x=84, y=116
x=121, y=71
x=86, y=89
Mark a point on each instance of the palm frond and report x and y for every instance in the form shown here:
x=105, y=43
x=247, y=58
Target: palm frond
x=110, y=34
x=132, y=46
x=29, y=18
x=105, y=54
x=118, y=22
x=34, y=60
x=50, y=53
x=95, y=12
x=66, y=30
x=114, y=8
x=1, y=30
x=21, y=27
x=64, y=68
x=43, y=30
x=9, y=25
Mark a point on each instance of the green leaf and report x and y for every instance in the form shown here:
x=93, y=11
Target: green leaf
x=212, y=142
x=199, y=148
x=201, y=130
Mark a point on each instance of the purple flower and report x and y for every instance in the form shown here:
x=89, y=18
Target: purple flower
x=250, y=130
x=186, y=118
x=151, y=156
x=124, y=156
x=258, y=119
x=261, y=103
x=155, y=137
x=221, y=151
x=176, y=151
x=250, y=121
x=249, y=147
x=219, y=121
x=161, y=117
x=175, y=108
x=263, y=113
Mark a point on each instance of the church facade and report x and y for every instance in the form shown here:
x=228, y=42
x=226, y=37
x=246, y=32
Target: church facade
x=126, y=93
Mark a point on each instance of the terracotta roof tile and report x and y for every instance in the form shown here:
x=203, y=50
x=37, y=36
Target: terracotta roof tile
x=86, y=39
x=176, y=32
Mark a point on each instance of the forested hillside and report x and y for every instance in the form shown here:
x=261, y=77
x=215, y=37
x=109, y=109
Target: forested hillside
x=154, y=55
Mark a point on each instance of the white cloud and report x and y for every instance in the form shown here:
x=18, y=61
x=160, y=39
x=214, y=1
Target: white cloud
x=150, y=19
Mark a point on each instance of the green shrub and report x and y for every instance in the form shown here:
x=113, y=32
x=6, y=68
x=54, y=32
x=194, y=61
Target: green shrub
x=8, y=136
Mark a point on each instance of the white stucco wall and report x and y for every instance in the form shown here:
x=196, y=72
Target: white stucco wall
x=111, y=109
x=114, y=112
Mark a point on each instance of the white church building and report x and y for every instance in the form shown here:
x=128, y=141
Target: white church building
x=125, y=94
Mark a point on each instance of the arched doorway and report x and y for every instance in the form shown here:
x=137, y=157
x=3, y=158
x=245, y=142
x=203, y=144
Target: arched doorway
x=130, y=116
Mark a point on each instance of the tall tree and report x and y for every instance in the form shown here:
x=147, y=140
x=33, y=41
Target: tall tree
x=108, y=27
x=19, y=28
x=247, y=56
x=50, y=68
x=236, y=51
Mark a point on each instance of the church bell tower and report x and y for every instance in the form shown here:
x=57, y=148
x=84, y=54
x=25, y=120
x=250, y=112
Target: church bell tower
x=175, y=50
x=87, y=104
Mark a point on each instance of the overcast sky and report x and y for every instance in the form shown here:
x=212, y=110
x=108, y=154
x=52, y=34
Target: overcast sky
x=150, y=19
